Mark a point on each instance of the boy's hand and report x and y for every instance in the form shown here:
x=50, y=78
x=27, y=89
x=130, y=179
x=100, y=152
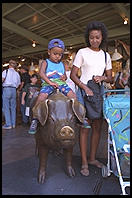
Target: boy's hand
x=63, y=77
x=55, y=85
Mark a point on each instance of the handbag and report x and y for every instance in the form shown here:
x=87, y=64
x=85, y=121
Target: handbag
x=93, y=104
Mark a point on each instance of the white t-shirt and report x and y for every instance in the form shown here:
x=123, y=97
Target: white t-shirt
x=12, y=78
x=91, y=63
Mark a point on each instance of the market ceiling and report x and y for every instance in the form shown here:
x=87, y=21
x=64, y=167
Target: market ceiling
x=23, y=23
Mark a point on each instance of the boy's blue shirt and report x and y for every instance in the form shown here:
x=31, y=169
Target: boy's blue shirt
x=54, y=71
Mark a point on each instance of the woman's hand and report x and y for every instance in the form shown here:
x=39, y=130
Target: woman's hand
x=88, y=91
x=98, y=79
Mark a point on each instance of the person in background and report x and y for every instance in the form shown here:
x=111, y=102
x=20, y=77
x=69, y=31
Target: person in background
x=11, y=82
x=126, y=63
x=30, y=91
x=52, y=73
x=25, y=79
x=123, y=79
x=91, y=61
x=69, y=82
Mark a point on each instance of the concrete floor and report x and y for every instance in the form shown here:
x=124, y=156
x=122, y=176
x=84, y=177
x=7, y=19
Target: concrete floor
x=20, y=165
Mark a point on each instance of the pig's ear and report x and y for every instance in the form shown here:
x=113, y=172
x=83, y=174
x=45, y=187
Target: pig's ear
x=78, y=110
x=42, y=112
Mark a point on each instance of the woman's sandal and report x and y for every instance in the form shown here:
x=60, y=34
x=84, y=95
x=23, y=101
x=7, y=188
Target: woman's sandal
x=84, y=170
x=96, y=163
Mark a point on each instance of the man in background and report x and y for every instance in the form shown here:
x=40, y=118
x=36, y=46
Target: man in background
x=11, y=81
x=25, y=79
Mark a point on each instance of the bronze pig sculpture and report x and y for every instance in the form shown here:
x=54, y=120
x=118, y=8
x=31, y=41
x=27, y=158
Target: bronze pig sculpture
x=58, y=129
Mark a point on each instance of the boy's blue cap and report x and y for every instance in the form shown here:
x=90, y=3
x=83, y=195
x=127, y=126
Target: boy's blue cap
x=56, y=43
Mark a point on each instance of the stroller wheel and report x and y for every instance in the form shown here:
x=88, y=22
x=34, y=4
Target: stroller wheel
x=104, y=171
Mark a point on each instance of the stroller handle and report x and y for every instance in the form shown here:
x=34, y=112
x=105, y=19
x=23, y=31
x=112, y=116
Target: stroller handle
x=116, y=90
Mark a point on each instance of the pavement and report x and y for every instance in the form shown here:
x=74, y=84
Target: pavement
x=20, y=165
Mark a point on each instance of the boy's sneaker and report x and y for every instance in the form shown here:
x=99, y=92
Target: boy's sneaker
x=33, y=127
x=6, y=127
x=86, y=124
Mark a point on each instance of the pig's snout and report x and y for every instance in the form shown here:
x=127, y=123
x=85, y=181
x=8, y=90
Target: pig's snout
x=67, y=131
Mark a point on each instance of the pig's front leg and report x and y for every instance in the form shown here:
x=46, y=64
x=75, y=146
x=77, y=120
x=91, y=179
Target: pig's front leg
x=43, y=154
x=68, y=158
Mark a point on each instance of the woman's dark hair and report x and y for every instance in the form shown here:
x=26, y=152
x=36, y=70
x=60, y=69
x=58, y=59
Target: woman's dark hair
x=96, y=25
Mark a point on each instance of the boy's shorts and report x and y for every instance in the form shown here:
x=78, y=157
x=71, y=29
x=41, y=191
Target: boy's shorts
x=50, y=89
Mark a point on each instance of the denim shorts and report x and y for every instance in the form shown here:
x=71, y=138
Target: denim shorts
x=79, y=96
x=50, y=89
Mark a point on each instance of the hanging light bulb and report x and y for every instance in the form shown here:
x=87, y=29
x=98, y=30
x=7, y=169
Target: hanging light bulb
x=125, y=21
x=33, y=44
x=23, y=59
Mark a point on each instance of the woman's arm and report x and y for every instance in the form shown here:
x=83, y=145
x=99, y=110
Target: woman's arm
x=76, y=80
x=121, y=84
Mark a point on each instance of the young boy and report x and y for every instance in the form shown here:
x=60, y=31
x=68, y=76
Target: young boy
x=52, y=73
x=29, y=91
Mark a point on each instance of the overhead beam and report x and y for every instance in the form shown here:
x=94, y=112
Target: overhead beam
x=63, y=28
x=11, y=9
x=23, y=32
x=27, y=49
x=23, y=51
x=118, y=32
x=56, y=16
x=123, y=12
x=113, y=33
x=63, y=17
x=29, y=16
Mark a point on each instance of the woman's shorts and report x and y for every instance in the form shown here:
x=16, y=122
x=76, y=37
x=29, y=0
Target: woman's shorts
x=79, y=96
x=50, y=89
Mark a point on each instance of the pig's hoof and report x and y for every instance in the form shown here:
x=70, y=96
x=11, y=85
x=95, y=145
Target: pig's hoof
x=70, y=171
x=41, y=177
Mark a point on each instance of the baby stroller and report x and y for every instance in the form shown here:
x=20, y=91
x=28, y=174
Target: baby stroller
x=116, y=110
